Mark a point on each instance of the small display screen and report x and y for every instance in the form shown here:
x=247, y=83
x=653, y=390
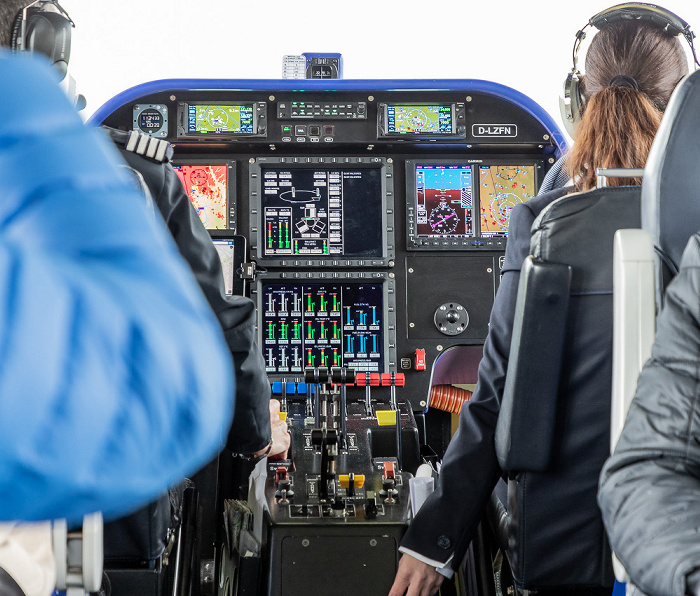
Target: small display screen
x=444, y=201
x=322, y=211
x=150, y=121
x=225, y=249
x=213, y=119
x=500, y=189
x=419, y=119
x=207, y=188
x=322, y=325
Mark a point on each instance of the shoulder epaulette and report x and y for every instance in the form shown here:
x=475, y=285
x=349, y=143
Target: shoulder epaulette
x=156, y=149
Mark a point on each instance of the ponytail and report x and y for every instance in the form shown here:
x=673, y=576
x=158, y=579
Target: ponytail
x=616, y=131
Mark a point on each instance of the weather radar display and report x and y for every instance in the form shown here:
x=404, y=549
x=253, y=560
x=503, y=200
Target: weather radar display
x=207, y=188
x=500, y=189
x=423, y=119
x=444, y=203
x=218, y=119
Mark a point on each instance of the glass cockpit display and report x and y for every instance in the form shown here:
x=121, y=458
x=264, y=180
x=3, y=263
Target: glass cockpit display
x=218, y=119
x=322, y=211
x=444, y=200
x=415, y=119
x=207, y=187
x=322, y=325
x=500, y=189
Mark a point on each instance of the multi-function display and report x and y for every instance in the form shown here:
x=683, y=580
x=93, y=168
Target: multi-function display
x=423, y=119
x=453, y=205
x=218, y=119
x=207, y=186
x=500, y=189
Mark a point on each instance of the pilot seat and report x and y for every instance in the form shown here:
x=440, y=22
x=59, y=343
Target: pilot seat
x=552, y=436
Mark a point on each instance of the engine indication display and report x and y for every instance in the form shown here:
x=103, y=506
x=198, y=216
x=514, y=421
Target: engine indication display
x=322, y=324
x=322, y=211
x=444, y=201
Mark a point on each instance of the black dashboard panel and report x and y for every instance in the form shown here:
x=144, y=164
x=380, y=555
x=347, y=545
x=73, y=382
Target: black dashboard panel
x=404, y=184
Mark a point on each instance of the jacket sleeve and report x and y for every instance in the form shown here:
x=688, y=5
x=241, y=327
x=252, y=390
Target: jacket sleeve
x=650, y=487
x=447, y=521
x=250, y=430
x=115, y=381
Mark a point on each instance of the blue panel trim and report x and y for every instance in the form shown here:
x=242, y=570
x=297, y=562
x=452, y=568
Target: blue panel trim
x=302, y=85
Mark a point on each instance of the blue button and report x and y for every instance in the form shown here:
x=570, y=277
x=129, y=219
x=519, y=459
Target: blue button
x=291, y=388
x=277, y=387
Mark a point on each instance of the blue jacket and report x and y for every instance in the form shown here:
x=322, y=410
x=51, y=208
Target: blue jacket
x=115, y=380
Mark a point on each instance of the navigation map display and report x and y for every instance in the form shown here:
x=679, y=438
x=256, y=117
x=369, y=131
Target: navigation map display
x=218, y=119
x=444, y=200
x=500, y=189
x=322, y=325
x=207, y=187
x=419, y=119
x=322, y=211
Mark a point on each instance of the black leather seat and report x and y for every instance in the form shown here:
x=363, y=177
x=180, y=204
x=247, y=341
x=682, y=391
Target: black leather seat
x=553, y=431
x=671, y=188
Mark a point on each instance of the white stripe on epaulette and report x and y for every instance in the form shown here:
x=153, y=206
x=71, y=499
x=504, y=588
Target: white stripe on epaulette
x=147, y=146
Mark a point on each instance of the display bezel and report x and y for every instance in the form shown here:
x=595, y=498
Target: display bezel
x=231, y=210
x=477, y=241
x=256, y=231
x=332, y=277
x=457, y=110
x=259, y=120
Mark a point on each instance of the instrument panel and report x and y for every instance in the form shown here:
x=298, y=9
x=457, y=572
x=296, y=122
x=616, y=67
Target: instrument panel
x=387, y=200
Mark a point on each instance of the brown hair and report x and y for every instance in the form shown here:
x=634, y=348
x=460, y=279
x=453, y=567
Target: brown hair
x=619, y=122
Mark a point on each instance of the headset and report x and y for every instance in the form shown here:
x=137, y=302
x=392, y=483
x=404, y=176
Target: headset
x=572, y=102
x=45, y=27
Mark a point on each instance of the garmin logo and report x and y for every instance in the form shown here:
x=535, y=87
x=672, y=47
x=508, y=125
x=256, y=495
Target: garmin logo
x=494, y=130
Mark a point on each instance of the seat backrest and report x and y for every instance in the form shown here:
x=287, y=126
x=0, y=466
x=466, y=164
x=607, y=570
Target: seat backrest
x=671, y=187
x=646, y=260
x=556, y=534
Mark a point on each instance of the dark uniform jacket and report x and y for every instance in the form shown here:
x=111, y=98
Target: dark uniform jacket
x=447, y=522
x=250, y=431
x=650, y=487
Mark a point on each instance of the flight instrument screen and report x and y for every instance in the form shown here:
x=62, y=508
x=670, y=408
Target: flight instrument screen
x=207, y=187
x=419, y=119
x=218, y=119
x=500, y=189
x=322, y=211
x=322, y=325
x=444, y=200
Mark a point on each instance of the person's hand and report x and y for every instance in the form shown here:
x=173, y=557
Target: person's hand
x=415, y=578
x=281, y=439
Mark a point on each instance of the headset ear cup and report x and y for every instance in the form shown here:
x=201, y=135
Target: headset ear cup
x=50, y=34
x=571, y=102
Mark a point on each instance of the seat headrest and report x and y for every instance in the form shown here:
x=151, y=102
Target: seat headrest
x=671, y=185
